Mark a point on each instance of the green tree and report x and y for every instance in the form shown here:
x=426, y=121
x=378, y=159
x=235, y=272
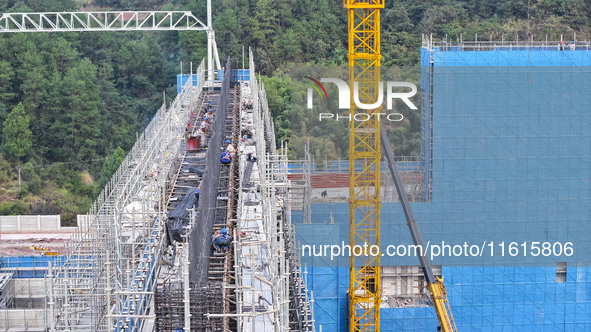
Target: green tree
x=192, y=47
x=229, y=32
x=17, y=134
x=34, y=85
x=265, y=23
x=6, y=76
x=112, y=162
x=80, y=103
x=110, y=165
x=73, y=104
x=31, y=176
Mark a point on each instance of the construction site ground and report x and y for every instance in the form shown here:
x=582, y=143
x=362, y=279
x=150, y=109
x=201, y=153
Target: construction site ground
x=19, y=244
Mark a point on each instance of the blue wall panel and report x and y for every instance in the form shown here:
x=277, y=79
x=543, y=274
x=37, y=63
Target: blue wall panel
x=237, y=75
x=29, y=266
x=511, y=160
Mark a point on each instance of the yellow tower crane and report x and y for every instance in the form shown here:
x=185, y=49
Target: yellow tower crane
x=364, y=165
x=364, y=173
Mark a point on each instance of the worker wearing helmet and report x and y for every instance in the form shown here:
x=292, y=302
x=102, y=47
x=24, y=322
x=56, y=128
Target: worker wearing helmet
x=207, y=122
x=230, y=148
x=221, y=240
x=572, y=45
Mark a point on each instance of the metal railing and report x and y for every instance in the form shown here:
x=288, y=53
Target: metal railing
x=504, y=45
x=404, y=163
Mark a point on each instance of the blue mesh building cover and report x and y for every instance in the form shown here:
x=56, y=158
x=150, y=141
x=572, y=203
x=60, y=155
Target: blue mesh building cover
x=510, y=161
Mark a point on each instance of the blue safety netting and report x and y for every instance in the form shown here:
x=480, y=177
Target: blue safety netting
x=508, y=158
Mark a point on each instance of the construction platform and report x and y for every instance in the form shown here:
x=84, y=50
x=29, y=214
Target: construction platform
x=144, y=260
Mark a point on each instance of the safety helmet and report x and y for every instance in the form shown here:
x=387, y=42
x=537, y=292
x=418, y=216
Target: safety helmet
x=206, y=118
x=224, y=231
x=228, y=141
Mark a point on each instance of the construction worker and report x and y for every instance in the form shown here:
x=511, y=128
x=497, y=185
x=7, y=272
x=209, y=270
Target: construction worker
x=197, y=192
x=572, y=45
x=207, y=122
x=221, y=241
x=202, y=139
x=226, y=157
x=561, y=46
x=230, y=148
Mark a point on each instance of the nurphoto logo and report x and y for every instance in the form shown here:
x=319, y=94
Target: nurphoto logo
x=345, y=99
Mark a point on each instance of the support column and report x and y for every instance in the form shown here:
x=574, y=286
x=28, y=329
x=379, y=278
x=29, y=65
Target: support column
x=210, y=36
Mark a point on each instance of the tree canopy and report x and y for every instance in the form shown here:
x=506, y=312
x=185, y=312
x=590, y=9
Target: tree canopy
x=17, y=134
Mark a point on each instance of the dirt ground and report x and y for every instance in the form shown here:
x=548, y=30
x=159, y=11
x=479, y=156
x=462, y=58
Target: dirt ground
x=19, y=244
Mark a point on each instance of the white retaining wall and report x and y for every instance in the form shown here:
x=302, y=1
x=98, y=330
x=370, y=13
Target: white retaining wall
x=33, y=224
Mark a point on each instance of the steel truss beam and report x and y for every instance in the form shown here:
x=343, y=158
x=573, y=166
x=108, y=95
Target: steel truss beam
x=100, y=21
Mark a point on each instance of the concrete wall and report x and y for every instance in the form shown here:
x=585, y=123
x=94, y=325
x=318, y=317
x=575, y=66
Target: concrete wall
x=29, y=287
x=34, y=224
x=28, y=292
x=22, y=319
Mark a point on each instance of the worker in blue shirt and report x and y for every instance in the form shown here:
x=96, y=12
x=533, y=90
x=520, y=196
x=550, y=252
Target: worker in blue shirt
x=226, y=157
x=221, y=241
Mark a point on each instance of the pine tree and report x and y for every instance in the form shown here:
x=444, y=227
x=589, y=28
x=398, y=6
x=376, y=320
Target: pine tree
x=17, y=134
x=6, y=76
x=82, y=118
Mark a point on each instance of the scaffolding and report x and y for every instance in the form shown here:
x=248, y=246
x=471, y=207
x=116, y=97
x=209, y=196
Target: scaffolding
x=110, y=277
x=301, y=316
x=22, y=302
x=194, y=291
x=270, y=290
x=109, y=269
x=301, y=185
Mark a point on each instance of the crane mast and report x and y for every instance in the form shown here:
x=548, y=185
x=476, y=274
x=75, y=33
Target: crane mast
x=365, y=139
x=364, y=164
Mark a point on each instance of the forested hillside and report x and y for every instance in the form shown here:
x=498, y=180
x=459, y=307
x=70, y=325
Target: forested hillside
x=72, y=103
x=70, y=106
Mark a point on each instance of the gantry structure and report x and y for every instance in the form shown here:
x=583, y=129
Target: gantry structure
x=116, y=21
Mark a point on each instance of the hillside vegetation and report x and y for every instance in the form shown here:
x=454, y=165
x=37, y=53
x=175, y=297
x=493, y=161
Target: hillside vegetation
x=72, y=103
